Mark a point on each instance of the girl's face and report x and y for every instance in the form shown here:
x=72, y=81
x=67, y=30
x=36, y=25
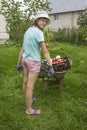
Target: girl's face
x=42, y=22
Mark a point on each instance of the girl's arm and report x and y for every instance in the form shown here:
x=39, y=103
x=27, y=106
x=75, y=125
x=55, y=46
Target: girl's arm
x=20, y=55
x=46, y=53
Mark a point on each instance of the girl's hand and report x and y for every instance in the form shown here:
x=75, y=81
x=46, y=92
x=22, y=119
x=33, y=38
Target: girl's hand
x=19, y=67
x=51, y=71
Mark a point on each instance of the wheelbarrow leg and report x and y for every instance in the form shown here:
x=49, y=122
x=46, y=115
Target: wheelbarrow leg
x=44, y=84
x=60, y=81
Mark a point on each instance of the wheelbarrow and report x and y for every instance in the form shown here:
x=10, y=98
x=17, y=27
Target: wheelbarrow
x=60, y=65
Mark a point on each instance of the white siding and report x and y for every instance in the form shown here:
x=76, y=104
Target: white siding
x=3, y=35
x=68, y=12
x=65, y=20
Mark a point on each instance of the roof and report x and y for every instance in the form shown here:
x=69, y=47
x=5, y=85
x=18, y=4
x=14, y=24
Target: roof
x=60, y=6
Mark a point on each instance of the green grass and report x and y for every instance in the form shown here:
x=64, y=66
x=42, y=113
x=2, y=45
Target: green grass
x=60, y=111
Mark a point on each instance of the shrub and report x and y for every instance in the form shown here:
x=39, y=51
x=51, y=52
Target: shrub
x=48, y=35
x=78, y=36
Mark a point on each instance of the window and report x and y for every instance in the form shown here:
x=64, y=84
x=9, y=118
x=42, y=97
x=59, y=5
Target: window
x=80, y=13
x=56, y=17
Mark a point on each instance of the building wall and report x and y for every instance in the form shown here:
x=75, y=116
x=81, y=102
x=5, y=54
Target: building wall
x=3, y=35
x=64, y=20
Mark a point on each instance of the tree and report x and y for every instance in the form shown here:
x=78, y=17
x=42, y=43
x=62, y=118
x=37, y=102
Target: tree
x=18, y=15
x=11, y=12
x=82, y=22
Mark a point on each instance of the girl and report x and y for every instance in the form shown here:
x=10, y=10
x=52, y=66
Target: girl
x=31, y=58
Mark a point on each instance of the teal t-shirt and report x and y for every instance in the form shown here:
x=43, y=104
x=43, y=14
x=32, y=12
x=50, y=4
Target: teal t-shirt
x=32, y=38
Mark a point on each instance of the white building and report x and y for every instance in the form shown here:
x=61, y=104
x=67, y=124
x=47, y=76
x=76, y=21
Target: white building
x=3, y=35
x=64, y=13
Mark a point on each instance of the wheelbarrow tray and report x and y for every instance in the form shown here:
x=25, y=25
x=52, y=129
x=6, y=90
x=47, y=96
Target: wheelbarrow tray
x=60, y=74
x=60, y=68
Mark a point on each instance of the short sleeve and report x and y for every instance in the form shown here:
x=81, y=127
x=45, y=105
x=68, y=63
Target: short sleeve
x=40, y=36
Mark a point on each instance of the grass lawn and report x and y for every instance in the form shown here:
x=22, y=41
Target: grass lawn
x=60, y=111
